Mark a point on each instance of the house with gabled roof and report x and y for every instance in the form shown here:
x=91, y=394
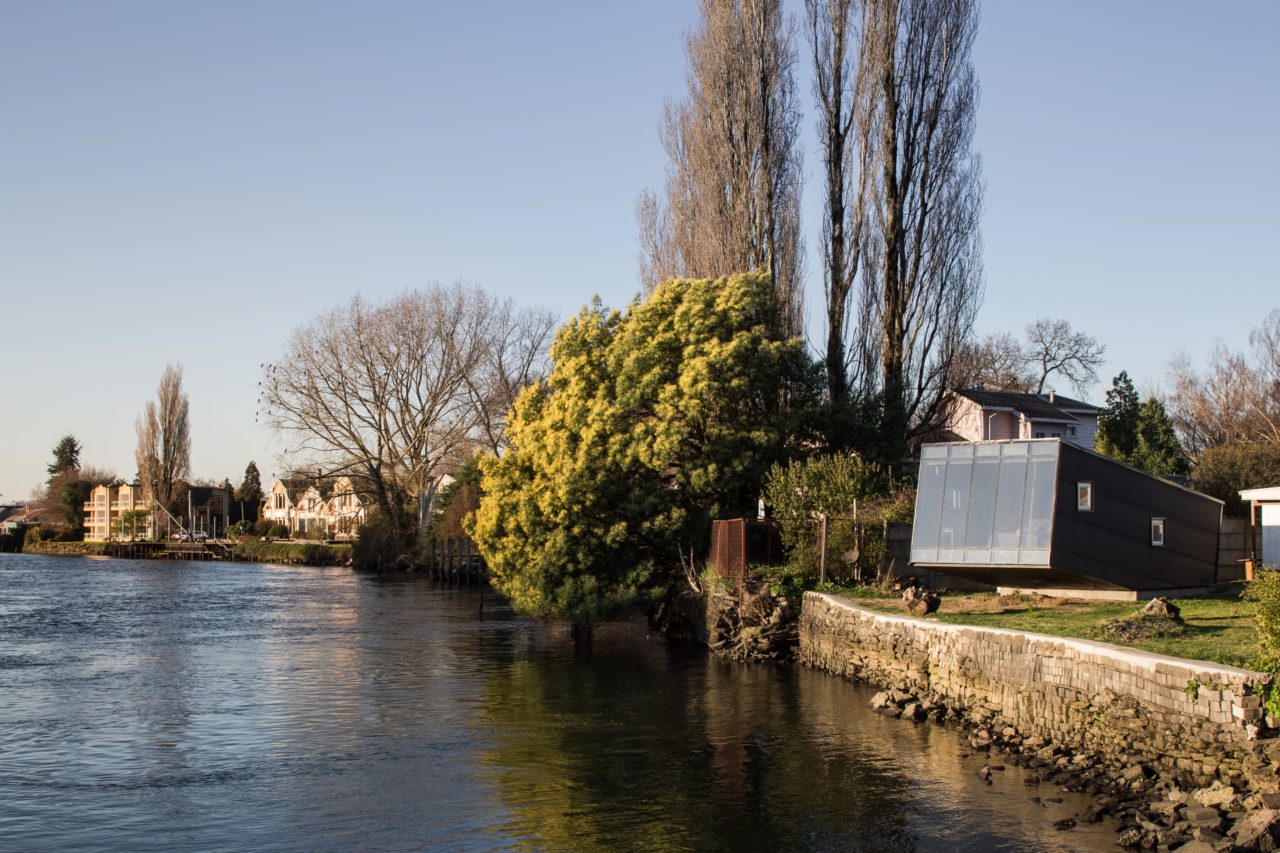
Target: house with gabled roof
x=976, y=414
x=330, y=507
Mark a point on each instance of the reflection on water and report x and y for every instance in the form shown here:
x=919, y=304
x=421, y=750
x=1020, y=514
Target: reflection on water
x=162, y=706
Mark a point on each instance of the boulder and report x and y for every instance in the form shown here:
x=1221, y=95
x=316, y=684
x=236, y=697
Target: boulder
x=1258, y=830
x=1217, y=794
x=1161, y=606
x=1197, y=847
x=924, y=603
x=1206, y=817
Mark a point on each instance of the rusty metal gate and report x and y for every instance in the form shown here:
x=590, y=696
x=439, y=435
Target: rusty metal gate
x=738, y=542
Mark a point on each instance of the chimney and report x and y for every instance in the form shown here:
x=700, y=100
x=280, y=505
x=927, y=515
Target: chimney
x=1053, y=398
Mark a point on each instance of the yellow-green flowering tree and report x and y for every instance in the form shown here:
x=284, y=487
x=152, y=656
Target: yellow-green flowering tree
x=652, y=422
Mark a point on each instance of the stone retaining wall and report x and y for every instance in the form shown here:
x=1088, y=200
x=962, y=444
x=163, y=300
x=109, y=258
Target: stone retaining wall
x=1117, y=704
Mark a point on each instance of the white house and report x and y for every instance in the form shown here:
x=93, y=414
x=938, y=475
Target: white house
x=329, y=507
x=1269, y=501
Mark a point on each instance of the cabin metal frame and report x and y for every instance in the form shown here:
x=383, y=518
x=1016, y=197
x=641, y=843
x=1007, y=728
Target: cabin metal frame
x=1048, y=516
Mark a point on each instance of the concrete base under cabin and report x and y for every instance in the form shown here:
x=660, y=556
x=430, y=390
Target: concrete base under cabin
x=1106, y=594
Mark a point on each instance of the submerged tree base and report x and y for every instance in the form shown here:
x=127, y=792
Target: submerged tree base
x=742, y=622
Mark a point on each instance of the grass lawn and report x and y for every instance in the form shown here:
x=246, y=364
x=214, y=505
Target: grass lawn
x=1217, y=627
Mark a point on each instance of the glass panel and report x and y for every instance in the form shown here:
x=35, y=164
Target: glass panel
x=928, y=505
x=1157, y=531
x=955, y=502
x=982, y=501
x=1084, y=496
x=1013, y=475
x=1030, y=557
x=1037, y=511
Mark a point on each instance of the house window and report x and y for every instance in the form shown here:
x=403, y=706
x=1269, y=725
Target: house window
x=1157, y=532
x=1084, y=496
x=1071, y=430
x=1041, y=434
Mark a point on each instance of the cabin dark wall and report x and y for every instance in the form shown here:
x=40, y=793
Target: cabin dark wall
x=1113, y=542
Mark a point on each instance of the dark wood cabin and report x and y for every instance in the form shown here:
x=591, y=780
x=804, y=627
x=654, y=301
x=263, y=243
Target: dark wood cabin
x=1045, y=515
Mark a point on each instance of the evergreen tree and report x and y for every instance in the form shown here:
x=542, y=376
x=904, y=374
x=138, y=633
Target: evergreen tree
x=1158, y=450
x=66, y=456
x=652, y=422
x=249, y=495
x=1118, y=422
x=250, y=490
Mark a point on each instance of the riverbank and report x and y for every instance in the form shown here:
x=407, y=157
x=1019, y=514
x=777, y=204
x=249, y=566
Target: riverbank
x=52, y=548
x=1176, y=750
x=294, y=553
x=259, y=551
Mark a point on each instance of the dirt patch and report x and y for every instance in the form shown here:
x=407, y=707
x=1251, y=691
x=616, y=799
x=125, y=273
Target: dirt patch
x=1139, y=627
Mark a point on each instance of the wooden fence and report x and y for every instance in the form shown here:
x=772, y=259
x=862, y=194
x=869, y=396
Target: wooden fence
x=455, y=561
x=1234, y=548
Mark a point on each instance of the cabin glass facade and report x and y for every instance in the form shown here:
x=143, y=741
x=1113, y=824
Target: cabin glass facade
x=988, y=504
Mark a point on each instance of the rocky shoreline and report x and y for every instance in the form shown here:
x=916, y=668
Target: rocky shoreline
x=1155, y=803
x=1152, y=808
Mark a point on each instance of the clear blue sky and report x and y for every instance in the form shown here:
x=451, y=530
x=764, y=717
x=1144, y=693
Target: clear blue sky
x=190, y=181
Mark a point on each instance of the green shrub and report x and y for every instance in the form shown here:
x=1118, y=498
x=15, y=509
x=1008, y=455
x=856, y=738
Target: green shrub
x=240, y=529
x=835, y=485
x=278, y=531
x=1264, y=592
x=384, y=542
x=262, y=527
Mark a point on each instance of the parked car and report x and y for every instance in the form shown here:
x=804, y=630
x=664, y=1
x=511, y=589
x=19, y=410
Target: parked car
x=193, y=536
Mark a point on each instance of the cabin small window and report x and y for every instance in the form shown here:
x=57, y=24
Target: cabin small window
x=1071, y=429
x=1157, y=532
x=1084, y=496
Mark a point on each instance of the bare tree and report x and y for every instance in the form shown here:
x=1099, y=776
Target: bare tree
x=915, y=230
x=1054, y=349
x=392, y=394
x=1236, y=399
x=997, y=362
x=164, y=438
x=515, y=358
x=732, y=197
x=833, y=42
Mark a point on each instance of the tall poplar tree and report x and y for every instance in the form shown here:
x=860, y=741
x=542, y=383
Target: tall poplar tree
x=164, y=438
x=732, y=198
x=904, y=197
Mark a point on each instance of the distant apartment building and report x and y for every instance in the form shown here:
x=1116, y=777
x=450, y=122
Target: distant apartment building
x=120, y=511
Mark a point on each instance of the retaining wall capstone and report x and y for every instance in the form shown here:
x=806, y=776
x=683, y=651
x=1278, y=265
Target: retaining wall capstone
x=1113, y=703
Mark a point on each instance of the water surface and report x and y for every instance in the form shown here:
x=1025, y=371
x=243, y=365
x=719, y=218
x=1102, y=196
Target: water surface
x=152, y=705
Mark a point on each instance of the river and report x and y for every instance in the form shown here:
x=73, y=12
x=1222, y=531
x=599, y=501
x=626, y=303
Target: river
x=152, y=705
